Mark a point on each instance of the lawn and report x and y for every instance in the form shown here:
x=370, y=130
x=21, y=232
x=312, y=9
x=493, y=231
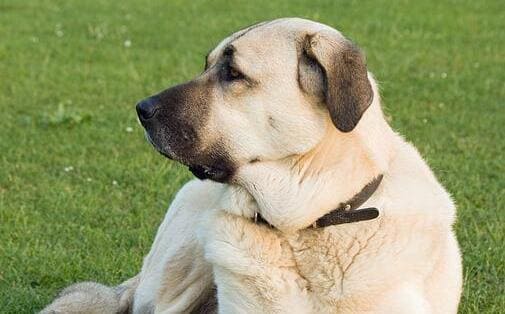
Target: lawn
x=82, y=193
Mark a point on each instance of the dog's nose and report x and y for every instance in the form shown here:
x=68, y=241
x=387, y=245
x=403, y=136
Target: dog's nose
x=146, y=109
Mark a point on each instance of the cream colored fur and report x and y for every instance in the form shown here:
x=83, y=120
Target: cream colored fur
x=405, y=261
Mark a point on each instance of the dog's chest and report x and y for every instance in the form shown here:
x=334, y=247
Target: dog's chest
x=337, y=261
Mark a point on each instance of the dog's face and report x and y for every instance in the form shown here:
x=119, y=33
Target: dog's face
x=267, y=92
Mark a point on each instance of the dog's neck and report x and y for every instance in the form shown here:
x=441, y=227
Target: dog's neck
x=294, y=192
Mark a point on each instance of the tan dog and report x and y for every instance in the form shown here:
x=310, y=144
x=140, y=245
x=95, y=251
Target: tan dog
x=288, y=119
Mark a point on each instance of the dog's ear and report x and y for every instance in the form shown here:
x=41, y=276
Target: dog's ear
x=335, y=69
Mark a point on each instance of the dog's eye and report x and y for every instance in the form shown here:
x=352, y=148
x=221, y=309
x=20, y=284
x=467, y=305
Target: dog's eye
x=232, y=74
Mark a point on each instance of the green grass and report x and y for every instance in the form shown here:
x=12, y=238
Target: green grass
x=68, y=85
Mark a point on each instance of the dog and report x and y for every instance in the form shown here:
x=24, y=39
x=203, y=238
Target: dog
x=307, y=201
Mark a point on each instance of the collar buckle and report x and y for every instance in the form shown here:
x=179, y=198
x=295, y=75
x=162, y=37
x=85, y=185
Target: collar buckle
x=347, y=212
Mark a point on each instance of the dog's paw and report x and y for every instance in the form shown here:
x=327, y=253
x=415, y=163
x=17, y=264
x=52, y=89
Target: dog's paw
x=236, y=200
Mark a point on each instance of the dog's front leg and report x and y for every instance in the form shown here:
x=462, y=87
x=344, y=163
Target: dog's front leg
x=175, y=278
x=253, y=267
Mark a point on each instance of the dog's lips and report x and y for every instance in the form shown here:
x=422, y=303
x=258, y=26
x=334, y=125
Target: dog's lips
x=160, y=150
x=203, y=172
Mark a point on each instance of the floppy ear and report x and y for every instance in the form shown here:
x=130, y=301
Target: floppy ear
x=335, y=69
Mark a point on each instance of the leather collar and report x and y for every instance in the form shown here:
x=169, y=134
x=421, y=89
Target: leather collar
x=346, y=212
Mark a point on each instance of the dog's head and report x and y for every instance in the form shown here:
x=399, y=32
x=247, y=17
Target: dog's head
x=267, y=92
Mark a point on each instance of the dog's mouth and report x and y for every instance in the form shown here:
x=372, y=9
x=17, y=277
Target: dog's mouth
x=212, y=173
x=217, y=172
x=159, y=149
